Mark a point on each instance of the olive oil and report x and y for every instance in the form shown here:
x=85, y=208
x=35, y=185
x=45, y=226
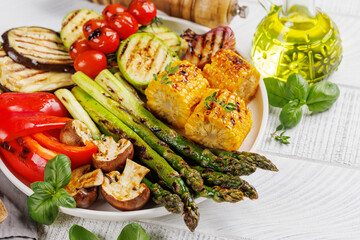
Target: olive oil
x=296, y=43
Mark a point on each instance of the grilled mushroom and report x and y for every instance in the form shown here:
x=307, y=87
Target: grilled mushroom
x=112, y=155
x=83, y=185
x=125, y=191
x=75, y=133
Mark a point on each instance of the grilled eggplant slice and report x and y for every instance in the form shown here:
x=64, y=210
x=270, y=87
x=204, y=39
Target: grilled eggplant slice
x=203, y=47
x=141, y=56
x=37, y=48
x=18, y=78
x=72, y=25
x=165, y=34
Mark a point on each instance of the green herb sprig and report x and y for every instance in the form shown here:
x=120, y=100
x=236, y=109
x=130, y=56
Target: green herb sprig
x=49, y=195
x=168, y=71
x=99, y=137
x=293, y=94
x=281, y=137
x=156, y=21
x=131, y=231
x=228, y=107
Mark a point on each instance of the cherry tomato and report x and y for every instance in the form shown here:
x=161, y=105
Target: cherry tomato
x=90, y=62
x=79, y=46
x=104, y=39
x=124, y=24
x=93, y=24
x=112, y=9
x=143, y=11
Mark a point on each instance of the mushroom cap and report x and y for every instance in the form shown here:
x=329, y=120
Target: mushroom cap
x=125, y=191
x=75, y=133
x=112, y=155
x=83, y=185
x=137, y=201
x=85, y=197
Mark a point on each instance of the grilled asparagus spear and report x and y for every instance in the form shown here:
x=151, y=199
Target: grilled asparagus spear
x=144, y=152
x=172, y=202
x=184, y=146
x=75, y=109
x=193, y=178
x=248, y=157
x=227, y=181
x=220, y=194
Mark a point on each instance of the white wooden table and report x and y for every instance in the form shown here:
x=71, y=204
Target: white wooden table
x=316, y=193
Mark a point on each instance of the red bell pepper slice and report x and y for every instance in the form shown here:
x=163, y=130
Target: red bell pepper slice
x=35, y=147
x=43, y=102
x=14, y=125
x=79, y=155
x=26, y=157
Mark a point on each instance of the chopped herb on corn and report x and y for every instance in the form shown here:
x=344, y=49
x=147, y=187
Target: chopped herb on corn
x=217, y=127
x=175, y=99
x=230, y=71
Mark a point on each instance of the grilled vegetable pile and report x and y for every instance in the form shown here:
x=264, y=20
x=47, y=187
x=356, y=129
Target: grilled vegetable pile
x=115, y=142
x=205, y=172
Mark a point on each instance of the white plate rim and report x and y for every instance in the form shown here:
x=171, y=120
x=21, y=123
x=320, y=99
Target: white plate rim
x=157, y=211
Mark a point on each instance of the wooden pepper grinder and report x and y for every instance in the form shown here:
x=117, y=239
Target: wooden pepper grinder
x=210, y=13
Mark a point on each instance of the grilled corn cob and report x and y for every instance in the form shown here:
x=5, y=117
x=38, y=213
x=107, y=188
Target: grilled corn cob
x=175, y=99
x=214, y=124
x=230, y=71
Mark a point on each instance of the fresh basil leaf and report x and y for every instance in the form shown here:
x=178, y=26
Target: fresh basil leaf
x=276, y=92
x=64, y=199
x=43, y=188
x=297, y=87
x=291, y=114
x=58, y=171
x=133, y=231
x=42, y=208
x=77, y=232
x=322, y=96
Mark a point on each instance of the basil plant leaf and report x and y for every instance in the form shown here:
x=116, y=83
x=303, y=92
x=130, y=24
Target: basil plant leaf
x=276, y=92
x=133, y=231
x=77, y=232
x=42, y=208
x=322, y=96
x=43, y=188
x=297, y=87
x=64, y=199
x=58, y=171
x=291, y=114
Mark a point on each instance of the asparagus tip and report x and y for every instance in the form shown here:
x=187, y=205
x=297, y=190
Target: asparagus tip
x=191, y=218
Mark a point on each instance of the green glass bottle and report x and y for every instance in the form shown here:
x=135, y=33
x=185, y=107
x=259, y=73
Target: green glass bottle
x=296, y=38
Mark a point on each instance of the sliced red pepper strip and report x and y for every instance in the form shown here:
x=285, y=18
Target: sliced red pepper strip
x=14, y=125
x=78, y=155
x=25, y=162
x=35, y=147
x=37, y=102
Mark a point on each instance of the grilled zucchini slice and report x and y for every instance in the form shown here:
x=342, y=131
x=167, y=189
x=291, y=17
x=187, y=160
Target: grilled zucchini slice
x=141, y=56
x=168, y=36
x=37, y=48
x=72, y=25
x=18, y=78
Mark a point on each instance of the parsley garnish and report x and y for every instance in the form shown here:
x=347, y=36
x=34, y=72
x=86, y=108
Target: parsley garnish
x=280, y=138
x=228, y=107
x=99, y=138
x=168, y=71
x=156, y=21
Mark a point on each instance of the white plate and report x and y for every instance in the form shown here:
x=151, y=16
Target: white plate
x=102, y=210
